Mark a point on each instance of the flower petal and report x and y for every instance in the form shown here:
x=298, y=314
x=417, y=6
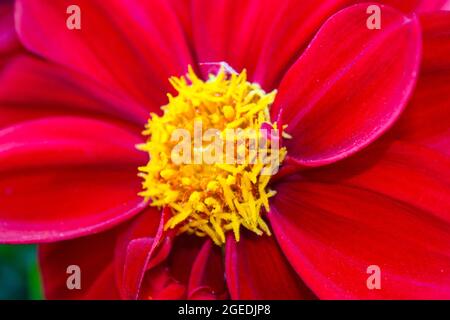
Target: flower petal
x=433, y=5
x=289, y=26
x=267, y=36
x=92, y=254
x=153, y=264
x=361, y=85
x=257, y=269
x=104, y=287
x=9, y=42
x=436, y=41
x=192, y=270
x=225, y=30
x=135, y=248
x=25, y=94
x=159, y=285
x=417, y=5
x=64, y=177
x=169, y=278
x=126, y=45
x=207, y=276
x=263, y=36
x=388, y=206
x=426, y=120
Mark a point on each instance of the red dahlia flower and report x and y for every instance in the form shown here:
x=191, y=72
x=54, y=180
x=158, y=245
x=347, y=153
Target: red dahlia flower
x=366, y=179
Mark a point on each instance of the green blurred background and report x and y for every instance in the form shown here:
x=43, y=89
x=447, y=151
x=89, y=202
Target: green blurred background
x=19, y=273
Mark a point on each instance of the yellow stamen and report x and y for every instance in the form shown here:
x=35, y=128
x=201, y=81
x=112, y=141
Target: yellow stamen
x=210, y=199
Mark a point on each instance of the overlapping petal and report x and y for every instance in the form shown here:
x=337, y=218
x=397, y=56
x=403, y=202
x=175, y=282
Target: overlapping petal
x=419, y=5
x=264, y=37
x=226, y=30
x=425, y=120
x=152, y=264
x=135, y=53
x=135, y=249
x=193, y=269
x=436, y=36
x=289, y=28
x=9, y=43
x=389, y=208
x=93, y=255
x=31, y=89
x=207, y=276
x=257, y=269
x=63, y=177
x=68, y=176
x=349, y=86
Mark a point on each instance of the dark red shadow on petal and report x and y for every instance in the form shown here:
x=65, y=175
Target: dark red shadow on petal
x=256, y=268
x=9, y=42
x=93, y=254
x=436, y=41
x=152, y=263
x=207, y=278
x=137, y=247
x=192, y=270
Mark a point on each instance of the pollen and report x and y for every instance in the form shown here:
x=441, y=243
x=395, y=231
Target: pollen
x=211, y=156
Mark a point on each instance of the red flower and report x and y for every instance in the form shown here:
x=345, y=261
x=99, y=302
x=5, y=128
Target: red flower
x=366, y=181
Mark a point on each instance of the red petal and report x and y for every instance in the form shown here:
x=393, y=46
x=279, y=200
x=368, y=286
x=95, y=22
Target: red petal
x=426, y=119
x=432, y=5
x=288, y=27
x=135, y=248
x=263, y=36
x=159, y=285
x=104, y=287
x=389, y=206
x=169, y=280
x=436, y=41
x=196, y=265
x=257, y=269
x=349, y=86
x=185, y=251
x=411, y=174
x=416, y=5
x=66, y=177
x=123, y=44
x=225, y=30
x=187, y=267
x=94, y=256
x=8, y=37
x=207, y=277
x=25, y=94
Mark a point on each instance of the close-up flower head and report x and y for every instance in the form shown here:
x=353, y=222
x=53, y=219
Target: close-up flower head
x=225, y=150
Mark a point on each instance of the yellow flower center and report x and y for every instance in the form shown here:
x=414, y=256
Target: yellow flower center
x=212, y=154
